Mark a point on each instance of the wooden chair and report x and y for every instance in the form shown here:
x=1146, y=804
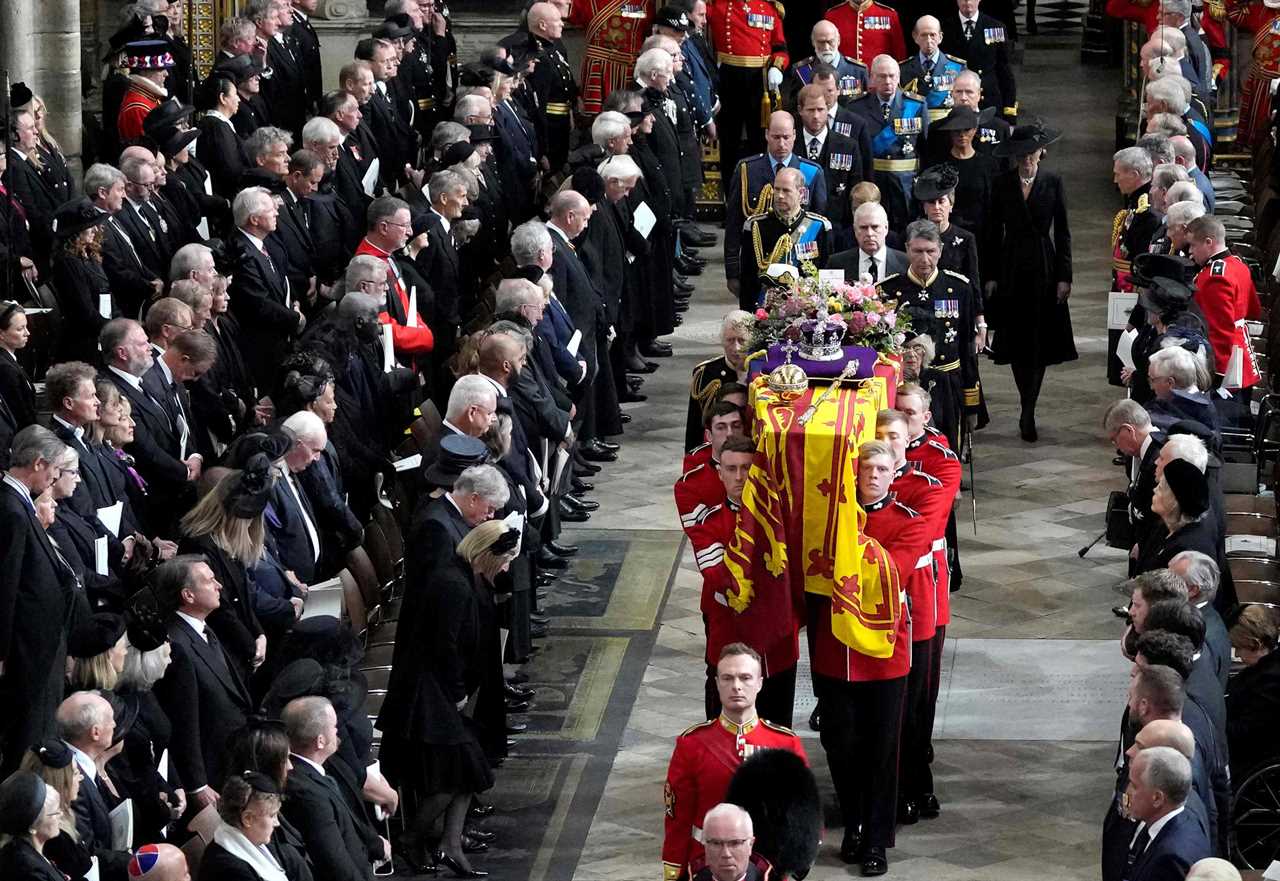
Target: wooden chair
x=354, y=605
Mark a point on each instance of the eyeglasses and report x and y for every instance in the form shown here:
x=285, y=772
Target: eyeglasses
x=141, y=185
x=725, y=843
x=408, y=226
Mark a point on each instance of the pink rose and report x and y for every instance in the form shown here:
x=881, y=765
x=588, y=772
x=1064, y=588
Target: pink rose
x=857, y=322
x=872, y=319
x=761, y=315
x=890, y=318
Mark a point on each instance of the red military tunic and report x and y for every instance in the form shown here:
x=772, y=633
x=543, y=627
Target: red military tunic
x=1212, y=21
x=868, y=29
x=1225, y=294
x=614, y=31
x=931, y=454
x=904, y=534
x=408, y=341
x=133, y=111
x=705, y=757
x=747, y=33
x=924, y=494
x=1255, y=99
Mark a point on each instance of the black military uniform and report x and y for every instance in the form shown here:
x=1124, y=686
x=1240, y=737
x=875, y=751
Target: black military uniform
x=768, y=239
x=985, y=48
x=943, y=306
x=305, y=43
x=707, y=379
x=557, y=94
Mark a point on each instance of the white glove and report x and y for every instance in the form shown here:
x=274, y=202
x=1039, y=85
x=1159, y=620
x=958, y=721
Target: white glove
x=775, y=78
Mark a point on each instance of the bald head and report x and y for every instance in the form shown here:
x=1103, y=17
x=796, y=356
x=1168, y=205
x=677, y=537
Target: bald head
x=159, y=862
x=927, y=34
x=542, y=15
x=1213, y=869
x=826, y=42
x=496, y=350
x=1167, y=732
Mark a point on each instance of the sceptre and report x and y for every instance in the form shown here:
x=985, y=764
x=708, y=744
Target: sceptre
x=847, y=373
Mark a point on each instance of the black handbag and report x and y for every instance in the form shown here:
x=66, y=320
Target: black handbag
x=1119, y=526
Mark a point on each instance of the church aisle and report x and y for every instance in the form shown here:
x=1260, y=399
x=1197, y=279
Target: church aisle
x=1034, y=683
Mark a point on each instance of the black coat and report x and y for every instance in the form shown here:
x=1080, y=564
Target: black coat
x=1028, y=252
x=665, y=143
x=989, y=58
x=306, y=46
x=842, y=173
x=206, y=701
x=219, y=864
x=149, y=240
x=131, y=278
x=1199, y=535
x=17, y=390
x=1178, y=845
x=438, y=263
x=39, y=200
x=319, y=812
x=40, y=603
x=79, y=283
x=224, y=397
x=221, y=150
x=136, y=769
x=234, y=621
x=155, y=450
x=19, y=860
x=260, y=301
x=334, y=230
x=580, y=298
x=293, y=233
x=288, y=528
x=75, y=536
x=285, y=90
x=1252, y=704
x=960, y=254
x=92, y=808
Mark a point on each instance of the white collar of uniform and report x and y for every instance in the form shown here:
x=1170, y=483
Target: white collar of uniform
x=218, y=115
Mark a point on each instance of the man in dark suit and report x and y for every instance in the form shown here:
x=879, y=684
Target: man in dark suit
x=201, y=692
x=438, y=261
x=314, y=803
x=1169, y=838
x=292, y=518
x=138, y=216
x=1201, y=573
x=284, y=90
x=840, y=157
x=156, y=446
x=133, y=282
x=293, y=227
x=269, y=313
x=70, y=391
x=40, y=601
x=842, y=120
x=478, y=492
x=872, y=257
x=188, y=357
x=396, y=139
x=331, y=218
x=983, y=43
x=86, y=724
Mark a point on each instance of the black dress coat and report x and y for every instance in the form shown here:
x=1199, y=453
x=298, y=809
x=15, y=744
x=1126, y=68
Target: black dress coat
x=285, y=90
x=92, y=808
x=131, y=278
x=40, y=604
x=575, y=289
x=78, y=283
x=317, y=809
x=155, y=448
x=1028, y=252
x=655, y=302
x=17, y=390
x=219, y=864
x=20, y=860
x=39, y=200
x=221, y=150
x=75, y=536
x=1253, y=700
x=260, y=301
x=1199, y=535
x=234, y=621
x=136, y=769
x=206, y=701
x=664, y=140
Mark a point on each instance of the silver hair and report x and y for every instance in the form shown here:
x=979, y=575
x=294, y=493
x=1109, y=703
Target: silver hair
x=1167, y=174
x=736, y=319
x=1184, y=191
x=923, y=229
x=305, y=719
x=729, y=811
x=609, y=125
x=1169, y=36
x=364, y=267
x=1168, y=92
x=446, y=134
x=528, y=240
x=305, y=424
x=515, y=331
x=1167, y=124
x=1202, y=573
x=321, y=130
x=263, y=139
x=444, y=182
x=74, y=723
x=619, y=168
x=142, y=670
x=1157, y=144
x=1189, y=448
x=469, y=391
x=187, y=260
x=651, y=62
x=1166, y=770
x=1177, y=7
x=1184, y=212
x=1199, y=358
x=101, y=176
x=868, y=208
x=469, y=105
x=1135, y=159
x=1175, y=363
x=1213, y=869
x=484, y=481
x=33, y=443
x=1126, y=411
x=512, y=293
x=249, y=202
x=235, y=29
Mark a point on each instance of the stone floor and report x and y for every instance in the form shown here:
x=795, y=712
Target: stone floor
x=1034, y=683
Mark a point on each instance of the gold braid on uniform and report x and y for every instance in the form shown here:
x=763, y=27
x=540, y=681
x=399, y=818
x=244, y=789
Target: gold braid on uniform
x=763, y=204
x=782, y=246
x=1117, y=226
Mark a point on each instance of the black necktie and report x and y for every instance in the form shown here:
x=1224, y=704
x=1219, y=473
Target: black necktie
x=1135, y=850
x=886, y=109
x=815, y=148
x=968, y=29
x=871, y=268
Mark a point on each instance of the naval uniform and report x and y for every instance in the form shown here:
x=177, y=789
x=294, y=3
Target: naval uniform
x=705, y=757
x=768, y=238
x=943, y=306
x=707, y=379
x=984, y=44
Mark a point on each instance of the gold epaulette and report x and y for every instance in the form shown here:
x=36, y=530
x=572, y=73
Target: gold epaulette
x=958, y=58
x=963, y=278
x=695, y=726
x=781, y=729
x=1117, y=224
x=888, y=278
x=1143, y=202
x=782, y=10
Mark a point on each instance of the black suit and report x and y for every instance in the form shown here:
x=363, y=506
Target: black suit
x=293, y=234
x=142, y=225
x=333, y=229
x=434, y=535
x=235, y=621
x=438, y=264
x=40, y=603
x=843, y=165
x=285, y=90
x=155, y=448
x=92, y=808
x=392, y=136
x=79, y=283
x=131, y=278
x=252, y=115
x=852, y=126
x=221, y=149
x=38, y=199
x=1173, y=851
x=17, y=390
x=581, y=300
x=315, y=805
x=205, y=699
x=1252, y=707
x=260, y=301
x=286, y=523
x=986, y=53
x=306, y=47
x=895, y=262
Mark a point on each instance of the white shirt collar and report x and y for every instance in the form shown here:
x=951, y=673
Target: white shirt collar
x=76, y=430
x=551, y=226
x=86, y=764
x=381, y=86
x=1142, y=450
x=261, y=244
x=1154, y=829
x=879, y=256
x=319, y=767
x=164, y=368
x=820, y=136
x=134, y=381
x=279, y=37
x=196, y=624
x=444, y=221
x=449, y=425
x=21, y=488
x=449, y=498
x=497, y=386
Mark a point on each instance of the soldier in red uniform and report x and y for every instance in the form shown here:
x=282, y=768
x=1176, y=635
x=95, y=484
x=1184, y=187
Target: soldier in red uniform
x=722, y=420
x=149, y=63
x=1262, y=20
x=613, y=30
x=1224, y=287
x=707, y=754
x=868, y=29
x=752, y=51
x=862, y=697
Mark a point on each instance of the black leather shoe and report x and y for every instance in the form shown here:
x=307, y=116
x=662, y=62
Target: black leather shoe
x=681, y=308
x=517, y=692
x=517, y=727
x=908, y=812
x=681, y=285
x=608, y=445
x=677, y=319
x=544, y=579
x=538, y=631
x=585, y=504
x=577, y=487
x=472, y=845
x=874, y=862
x=419, y=863
x=685, y=266
x=447, y=862
x=511, y=744
x=585, y=469
x=539, y=618
x=929, y=807
x=479, y=809
x=563, y=550
x=571, y=515
x=851, y=845
x=642, y=366
x=548, y=560
x=629, y=397
x=624, y=418
x=634, y=383
x=655, y=349
x=479, y=834
x=518, y=706
x=598, y=454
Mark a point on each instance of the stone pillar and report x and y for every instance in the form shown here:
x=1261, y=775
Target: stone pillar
x=342, y=10
x=17, y=49
x=44, y=52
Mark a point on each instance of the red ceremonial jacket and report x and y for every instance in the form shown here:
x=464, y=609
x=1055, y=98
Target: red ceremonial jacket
x=410, y=341
x=931, y=454
x=705, y=757
x=924, y=494
x=1225, y=294
x=747, y=33
x=133, y=112
x=904, y=534
x=868, y=29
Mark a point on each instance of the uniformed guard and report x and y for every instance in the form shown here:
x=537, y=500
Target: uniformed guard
x=750, y=188
x=707, y=754
x=614, y=31
x=942, y=304
x=1135, y=223
x=983, y=42
x=868, y=29
x=861, y=697
x=900, y=123
x=1224, y=287
x=786, y=234
x=931, y=72
x=752, y=51
x=552, y=81
x=851, y=74
x=149, y=62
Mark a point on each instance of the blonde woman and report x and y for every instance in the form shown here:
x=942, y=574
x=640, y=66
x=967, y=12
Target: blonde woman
x=51, y=761
x=101, y=654
x=49, y=156
x=431, y=743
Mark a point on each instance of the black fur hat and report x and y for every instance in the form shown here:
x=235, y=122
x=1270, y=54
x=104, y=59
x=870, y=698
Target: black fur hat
x=780, y=793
